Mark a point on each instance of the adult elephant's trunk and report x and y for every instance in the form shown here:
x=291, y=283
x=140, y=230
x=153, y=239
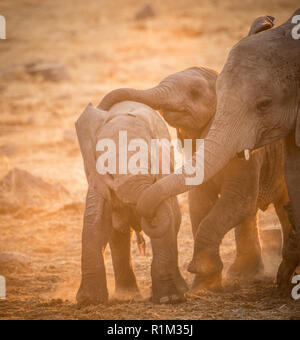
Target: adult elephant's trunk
x=220, y=146
x=155, y=97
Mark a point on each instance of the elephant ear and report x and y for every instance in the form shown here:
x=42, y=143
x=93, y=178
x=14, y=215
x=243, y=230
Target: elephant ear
x=261, y=24
x=87, y=125
x=298, y=131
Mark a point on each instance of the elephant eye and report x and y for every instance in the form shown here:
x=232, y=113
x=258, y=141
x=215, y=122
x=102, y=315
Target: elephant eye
x=263, y=104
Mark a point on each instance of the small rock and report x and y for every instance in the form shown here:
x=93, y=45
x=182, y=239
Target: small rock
x=145, y=12
x=20, y=189
x=51, y=71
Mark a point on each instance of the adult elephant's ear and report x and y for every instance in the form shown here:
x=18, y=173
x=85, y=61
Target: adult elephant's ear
x=261, y=24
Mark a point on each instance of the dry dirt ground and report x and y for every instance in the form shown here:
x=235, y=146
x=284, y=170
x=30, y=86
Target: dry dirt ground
x=101, y=47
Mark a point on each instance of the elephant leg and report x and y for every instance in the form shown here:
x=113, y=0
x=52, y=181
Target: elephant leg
x=180, y=282
x=168, y=286
x=93, y=288
x=248, y=263
x=125, y=280
x=291, y=253
x=238, y=201
x=201, y=201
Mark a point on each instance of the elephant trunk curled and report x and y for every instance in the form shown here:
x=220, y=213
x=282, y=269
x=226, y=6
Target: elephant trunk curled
x=219, y=148
x=154, y=97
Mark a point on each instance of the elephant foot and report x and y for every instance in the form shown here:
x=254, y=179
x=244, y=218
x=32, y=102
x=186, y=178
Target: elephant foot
x=171, y=300
x=246, y=269
x=91, y=293
x=208, y=266
x=285, y=274
x=212, y=283
x=167, y=294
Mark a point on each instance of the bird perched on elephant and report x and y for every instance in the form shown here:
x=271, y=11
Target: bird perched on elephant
x=110, y=212
x=258, y=95
x=187, y=100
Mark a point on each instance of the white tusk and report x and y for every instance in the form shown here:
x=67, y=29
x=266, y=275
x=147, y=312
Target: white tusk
x=247, y=154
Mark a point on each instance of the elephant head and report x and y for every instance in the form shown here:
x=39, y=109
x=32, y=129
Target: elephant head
x=187, y=99
x=88, y=127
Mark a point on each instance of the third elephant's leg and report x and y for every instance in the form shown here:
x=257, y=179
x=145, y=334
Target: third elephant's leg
x=237, y=202
x=248, y=263
x=167, y=283
x=201, y=201
x=120, y=244
x=291, y=254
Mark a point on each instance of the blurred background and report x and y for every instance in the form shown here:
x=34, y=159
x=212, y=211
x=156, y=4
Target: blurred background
x=58, y=57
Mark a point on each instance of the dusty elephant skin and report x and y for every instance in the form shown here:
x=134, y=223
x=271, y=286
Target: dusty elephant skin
x=258, y=94
x=110, y=212
x=187, y=100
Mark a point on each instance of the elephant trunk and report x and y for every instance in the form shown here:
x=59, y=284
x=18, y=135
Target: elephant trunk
x=218, y=149
x=154, y=97
x=159, y=226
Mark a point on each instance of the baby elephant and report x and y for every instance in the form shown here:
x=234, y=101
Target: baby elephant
x=110, y=213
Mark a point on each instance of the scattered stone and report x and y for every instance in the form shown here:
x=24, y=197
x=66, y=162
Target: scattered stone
x=20, y=189
x=145, y=12
x=51, y=71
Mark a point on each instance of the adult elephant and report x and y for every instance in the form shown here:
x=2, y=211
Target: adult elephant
x=258, y=103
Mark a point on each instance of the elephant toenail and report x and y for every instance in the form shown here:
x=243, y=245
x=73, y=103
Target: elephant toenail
x=164, y=300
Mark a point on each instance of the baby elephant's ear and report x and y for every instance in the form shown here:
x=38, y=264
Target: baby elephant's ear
x=261, y=24
x=87, y=125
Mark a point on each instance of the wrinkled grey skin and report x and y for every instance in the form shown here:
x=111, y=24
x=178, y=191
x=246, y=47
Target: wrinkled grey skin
x=258, y=103
x=187, y=100
x=110, y=212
